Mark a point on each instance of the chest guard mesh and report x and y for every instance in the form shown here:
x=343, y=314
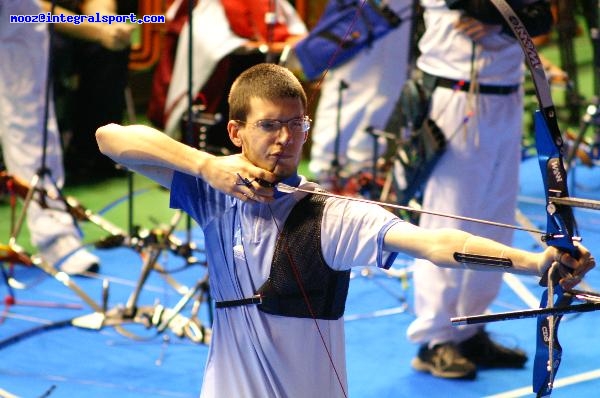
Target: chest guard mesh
x=300, y=239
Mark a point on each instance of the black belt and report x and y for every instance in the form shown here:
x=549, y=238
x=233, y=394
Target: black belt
x=464, y=85
x=234, y=303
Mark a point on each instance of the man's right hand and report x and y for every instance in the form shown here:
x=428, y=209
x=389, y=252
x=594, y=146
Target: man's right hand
x=236, y=176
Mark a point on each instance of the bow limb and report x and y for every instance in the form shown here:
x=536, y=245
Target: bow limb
x=561, y=224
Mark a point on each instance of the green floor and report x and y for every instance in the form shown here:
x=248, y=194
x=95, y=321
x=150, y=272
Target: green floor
x=109, y=200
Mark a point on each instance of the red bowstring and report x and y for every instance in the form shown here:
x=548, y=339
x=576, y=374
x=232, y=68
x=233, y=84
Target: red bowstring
x=296, y=272
x=336, y=52
x=293, y=265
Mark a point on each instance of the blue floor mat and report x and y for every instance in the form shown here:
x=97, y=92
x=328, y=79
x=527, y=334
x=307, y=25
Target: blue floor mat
x=42, y=355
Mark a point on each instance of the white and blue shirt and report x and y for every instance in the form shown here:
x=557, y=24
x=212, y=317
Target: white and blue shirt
x=254, y=354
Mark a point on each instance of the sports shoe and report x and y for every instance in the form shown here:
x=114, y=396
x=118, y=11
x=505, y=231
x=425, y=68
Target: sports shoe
x=65, y=252
x=485, y=353
x=445, y=361
x=80, y=262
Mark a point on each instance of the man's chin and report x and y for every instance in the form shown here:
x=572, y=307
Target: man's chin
x=283, y=172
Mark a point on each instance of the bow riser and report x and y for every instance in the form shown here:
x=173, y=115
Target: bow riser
x=560, y=219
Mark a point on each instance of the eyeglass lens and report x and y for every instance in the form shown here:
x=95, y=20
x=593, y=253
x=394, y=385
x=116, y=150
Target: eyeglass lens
x=298, y=125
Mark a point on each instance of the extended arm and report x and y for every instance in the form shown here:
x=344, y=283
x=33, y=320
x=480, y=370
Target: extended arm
x=441, y=245
x=156, y=155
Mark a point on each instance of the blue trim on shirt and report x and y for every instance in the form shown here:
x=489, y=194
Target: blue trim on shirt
x=380, y=238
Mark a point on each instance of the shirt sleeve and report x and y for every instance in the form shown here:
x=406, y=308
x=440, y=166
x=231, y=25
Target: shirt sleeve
x=194, y=196
x=352, y=234
x=185, y=193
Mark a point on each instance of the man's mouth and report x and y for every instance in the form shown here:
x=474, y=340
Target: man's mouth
x=281, y=155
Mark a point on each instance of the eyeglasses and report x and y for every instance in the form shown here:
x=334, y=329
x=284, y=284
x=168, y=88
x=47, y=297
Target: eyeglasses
x=297, y=125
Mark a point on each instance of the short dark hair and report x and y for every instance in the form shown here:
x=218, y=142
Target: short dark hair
x=265, y=81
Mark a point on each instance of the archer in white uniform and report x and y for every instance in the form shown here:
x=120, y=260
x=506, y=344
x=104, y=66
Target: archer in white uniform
x=476, y=177
x=373, y=80
x=23, y=71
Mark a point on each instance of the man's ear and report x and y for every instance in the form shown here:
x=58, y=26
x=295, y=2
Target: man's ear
x=233, y=129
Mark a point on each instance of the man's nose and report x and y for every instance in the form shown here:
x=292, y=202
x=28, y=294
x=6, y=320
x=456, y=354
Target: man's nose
x=285, y=135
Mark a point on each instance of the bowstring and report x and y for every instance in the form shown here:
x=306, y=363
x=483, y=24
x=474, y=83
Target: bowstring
x=293, y=265
x=338, y=49
x=551, y=323
x=306, y=299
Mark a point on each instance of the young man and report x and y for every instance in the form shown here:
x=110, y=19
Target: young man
x=279, y=263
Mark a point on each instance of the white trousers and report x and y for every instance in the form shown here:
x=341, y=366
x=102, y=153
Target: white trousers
x=476, y=177
x=374, y=78
x=23, y=72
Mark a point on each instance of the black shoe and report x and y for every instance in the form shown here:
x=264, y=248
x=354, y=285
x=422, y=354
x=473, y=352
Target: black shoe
x=485, y=353
x=445, y=361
